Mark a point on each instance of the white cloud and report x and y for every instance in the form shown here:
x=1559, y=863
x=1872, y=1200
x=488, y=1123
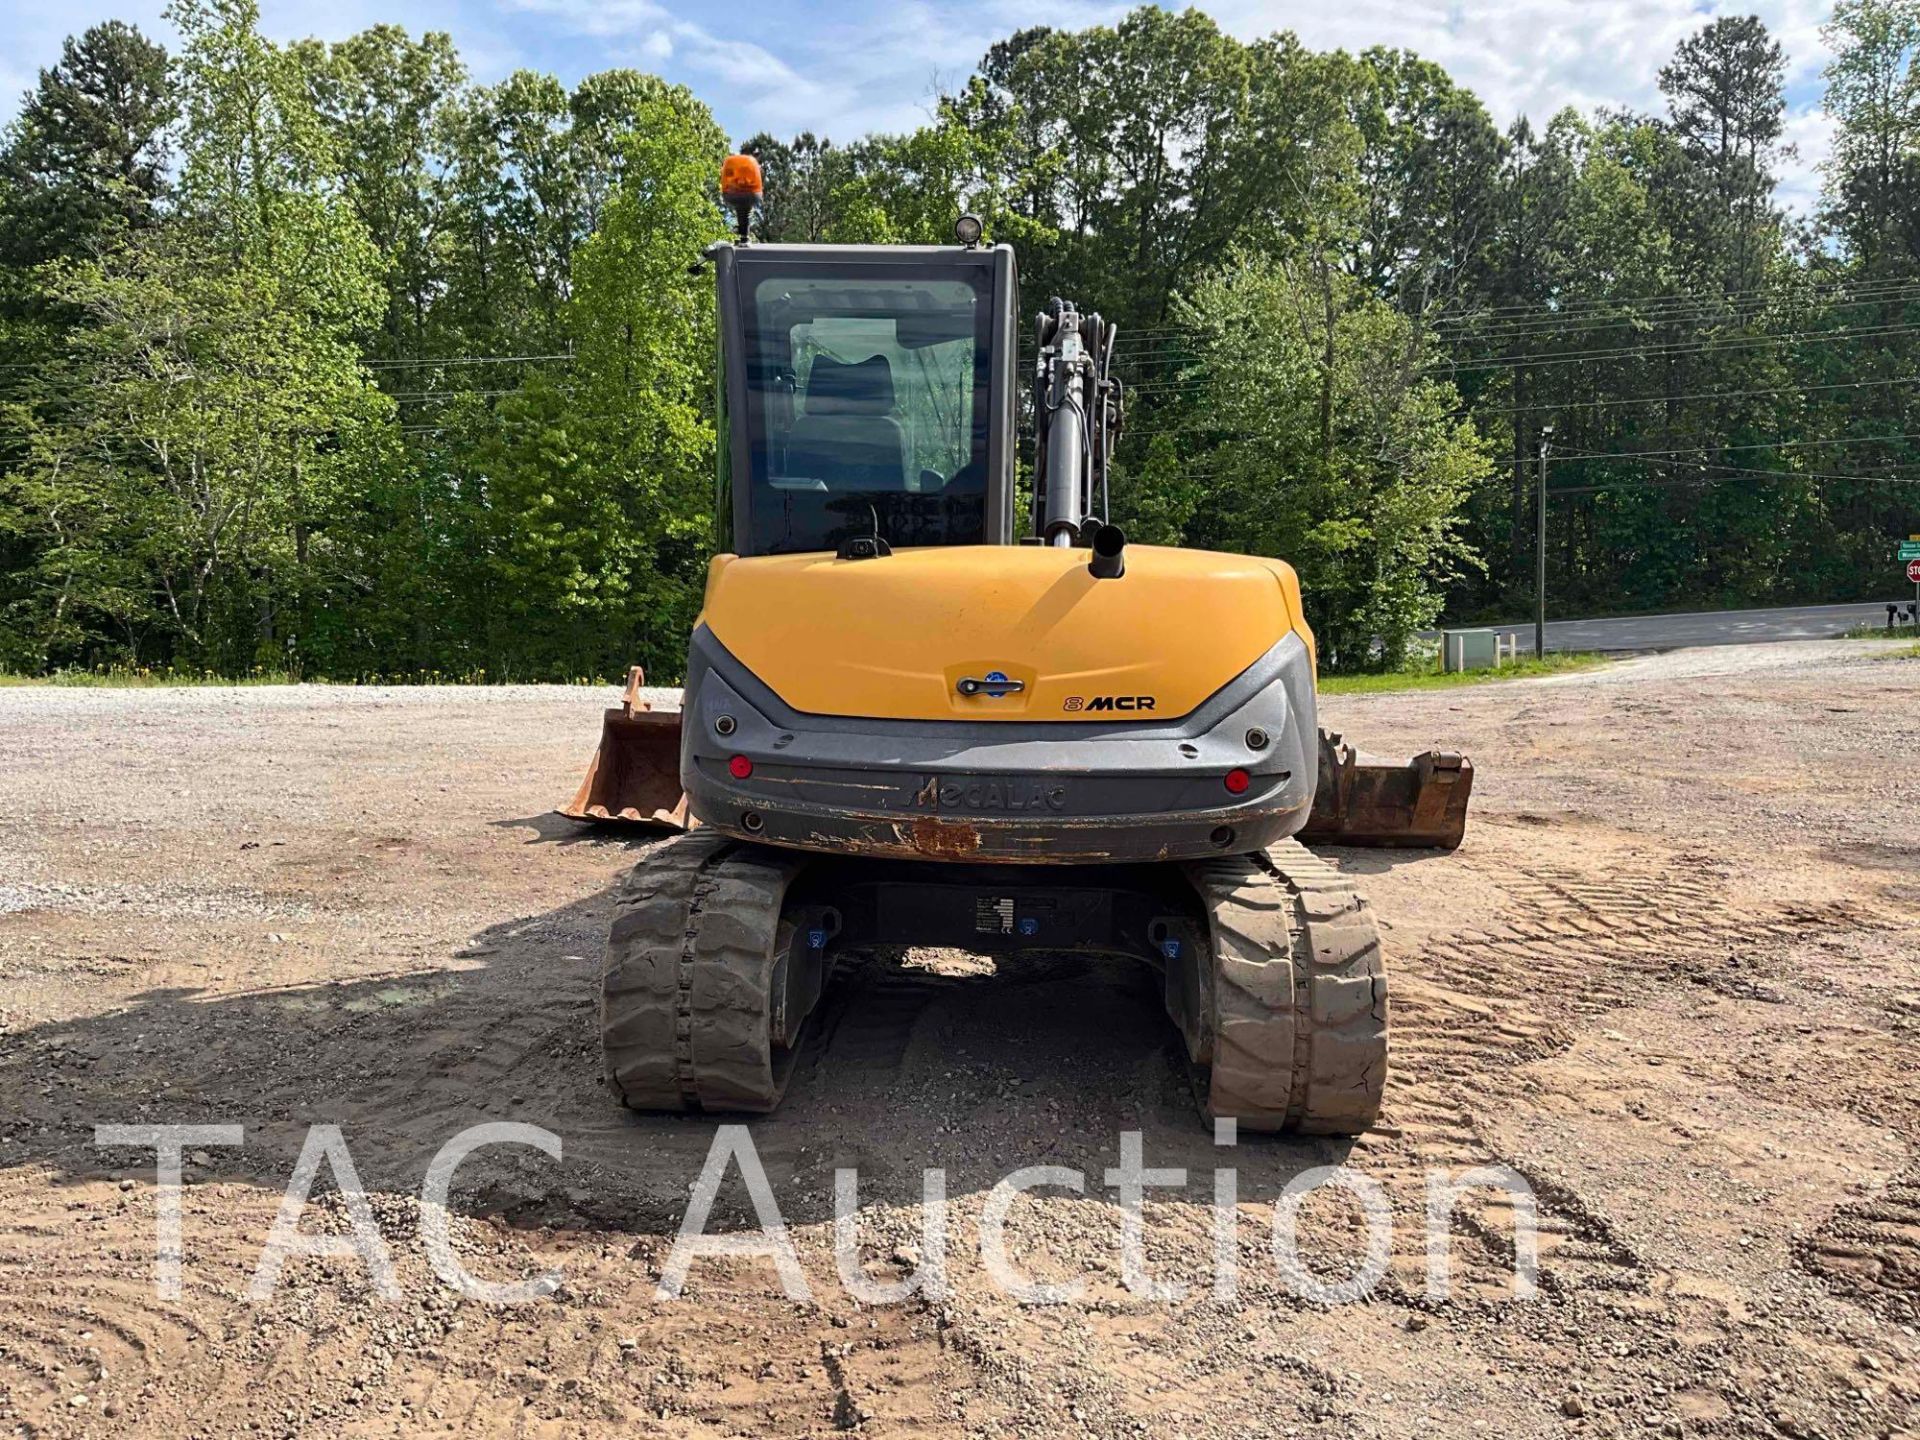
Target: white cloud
x=646, y=31
x=1537, y=57
x=872, y=64
x=14, y=82
x=1810, y=133
x=844, y=67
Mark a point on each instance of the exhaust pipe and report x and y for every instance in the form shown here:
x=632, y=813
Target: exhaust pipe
x=1109, y=558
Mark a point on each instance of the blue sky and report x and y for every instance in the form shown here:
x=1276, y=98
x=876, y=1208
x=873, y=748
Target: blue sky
x=842, y=67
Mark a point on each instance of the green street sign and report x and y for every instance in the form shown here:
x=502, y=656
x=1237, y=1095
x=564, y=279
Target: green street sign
x=1909, y=550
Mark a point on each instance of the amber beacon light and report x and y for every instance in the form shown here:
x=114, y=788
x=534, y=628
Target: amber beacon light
x=740, y=187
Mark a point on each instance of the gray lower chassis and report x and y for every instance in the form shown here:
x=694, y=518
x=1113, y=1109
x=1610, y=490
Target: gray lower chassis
x=1026, y=792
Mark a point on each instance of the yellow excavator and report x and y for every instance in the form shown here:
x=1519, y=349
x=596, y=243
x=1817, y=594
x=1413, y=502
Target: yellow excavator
x=915, y=716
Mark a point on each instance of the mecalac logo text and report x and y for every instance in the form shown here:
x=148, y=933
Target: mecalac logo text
x=1014, y=793
x=1108, y=702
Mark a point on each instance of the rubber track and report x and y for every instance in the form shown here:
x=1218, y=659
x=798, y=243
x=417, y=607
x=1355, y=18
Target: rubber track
x=1298, y=992
x=685, y=1000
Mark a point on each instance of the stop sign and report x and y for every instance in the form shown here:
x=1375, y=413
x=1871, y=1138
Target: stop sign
x=1913, y=571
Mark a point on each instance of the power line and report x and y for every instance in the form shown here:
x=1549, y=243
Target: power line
x=1132, y=434
x=1575, y=306
x=432, y=360
x=1696, y=320
x=1735, y=474
x=1679, y=309
x=1674, y=313
x=521, y=421
x=1544, y=315
x=1677, y=306
x=1661, y=349
x=1179, y=387
x=1884, y=477
x=1700, y=395
x=1676, y=348
x=421, y=395
x=1658, y=351
x=1728, y=449
x=1170, y=357
x=1725, y=474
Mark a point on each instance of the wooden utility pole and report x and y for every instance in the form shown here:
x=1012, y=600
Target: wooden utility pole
x=1540, y=552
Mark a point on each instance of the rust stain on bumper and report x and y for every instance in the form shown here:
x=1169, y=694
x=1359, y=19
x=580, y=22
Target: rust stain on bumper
x=945, y=839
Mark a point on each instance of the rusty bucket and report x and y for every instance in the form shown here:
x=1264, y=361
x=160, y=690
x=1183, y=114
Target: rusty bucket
x=634, y=777
x=1365, y=801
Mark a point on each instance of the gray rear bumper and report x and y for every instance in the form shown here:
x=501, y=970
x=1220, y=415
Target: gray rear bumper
x=1047, y=792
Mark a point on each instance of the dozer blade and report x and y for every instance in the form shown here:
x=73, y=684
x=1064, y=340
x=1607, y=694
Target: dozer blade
x=1364, y=801
x=634, y=777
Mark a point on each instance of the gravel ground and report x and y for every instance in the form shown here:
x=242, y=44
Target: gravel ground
x=1671, y=979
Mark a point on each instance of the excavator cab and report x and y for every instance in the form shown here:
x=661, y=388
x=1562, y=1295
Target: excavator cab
x=867, y=396
x=867, y=403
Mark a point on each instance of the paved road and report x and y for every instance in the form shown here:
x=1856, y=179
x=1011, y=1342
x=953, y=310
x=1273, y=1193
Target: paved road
x=1722, y=627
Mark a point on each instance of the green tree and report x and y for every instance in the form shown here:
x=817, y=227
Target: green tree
x=1155, y=499
x=1726, y=92
x=201, y=266
x=82, y=165
x=87, y=155
x=211, y=401
x=380, y=95
x=599, y=492
x=1873, y=93
x=1364, y=496
x=1427, y=179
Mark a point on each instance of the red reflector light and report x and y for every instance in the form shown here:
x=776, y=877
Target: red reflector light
x=740, y=768
x=1237, y=782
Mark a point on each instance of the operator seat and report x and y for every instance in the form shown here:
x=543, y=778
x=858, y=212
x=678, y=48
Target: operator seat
x=847, y=435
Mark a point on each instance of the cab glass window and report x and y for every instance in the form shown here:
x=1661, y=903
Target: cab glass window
x=867, y=407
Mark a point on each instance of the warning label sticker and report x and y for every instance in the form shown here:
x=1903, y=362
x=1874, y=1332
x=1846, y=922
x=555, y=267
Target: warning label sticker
x=993, y=915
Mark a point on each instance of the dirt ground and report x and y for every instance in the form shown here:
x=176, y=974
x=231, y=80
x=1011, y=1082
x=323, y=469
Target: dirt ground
x=1672, y=978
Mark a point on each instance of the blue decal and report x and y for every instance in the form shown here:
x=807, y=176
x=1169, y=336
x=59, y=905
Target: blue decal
x=1029, y=925
x=816, y=939
x=1170, y=949
x=997, y=685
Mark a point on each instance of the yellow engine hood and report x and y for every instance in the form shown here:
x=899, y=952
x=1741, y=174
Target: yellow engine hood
x=892, y=637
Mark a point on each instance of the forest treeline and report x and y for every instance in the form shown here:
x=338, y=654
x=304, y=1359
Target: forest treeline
x=327, y=358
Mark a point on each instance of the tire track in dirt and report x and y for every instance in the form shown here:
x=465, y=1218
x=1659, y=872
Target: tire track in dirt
x=1470, y=1008
x=1870, y=1252
x=75, y=1316
x=1576, y=946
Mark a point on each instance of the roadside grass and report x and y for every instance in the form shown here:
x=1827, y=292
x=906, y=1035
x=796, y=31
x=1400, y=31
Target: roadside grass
x=1426, y=674
x=1881, y=632
x=129, y=678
